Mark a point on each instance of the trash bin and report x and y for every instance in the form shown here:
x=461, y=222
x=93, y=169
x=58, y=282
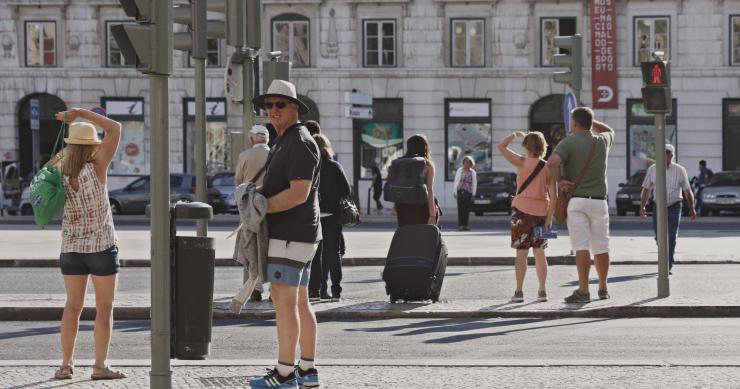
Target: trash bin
x=191, y=285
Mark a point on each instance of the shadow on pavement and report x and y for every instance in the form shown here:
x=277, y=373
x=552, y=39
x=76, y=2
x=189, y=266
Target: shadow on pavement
x=613, y=280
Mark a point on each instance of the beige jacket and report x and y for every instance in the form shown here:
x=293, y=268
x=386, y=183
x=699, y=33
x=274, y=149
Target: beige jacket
x=250, y=162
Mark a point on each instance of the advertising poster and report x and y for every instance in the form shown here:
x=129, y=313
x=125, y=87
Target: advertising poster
x=642, y=145
x=131, y=156
x=473, y=139
x=382, y=142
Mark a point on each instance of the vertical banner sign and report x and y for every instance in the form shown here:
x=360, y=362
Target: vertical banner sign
x=604, y=53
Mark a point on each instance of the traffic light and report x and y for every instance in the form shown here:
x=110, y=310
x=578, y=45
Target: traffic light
x=243, y=23
x=573, y=61
x=139, y=43
x=274, y=69
x=195, y=40
x=656, y=93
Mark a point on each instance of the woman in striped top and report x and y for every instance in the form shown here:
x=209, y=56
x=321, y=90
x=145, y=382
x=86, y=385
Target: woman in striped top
x=88, y=237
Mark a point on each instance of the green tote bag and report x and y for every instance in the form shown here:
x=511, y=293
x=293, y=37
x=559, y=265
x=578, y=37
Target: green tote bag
x=47, y=192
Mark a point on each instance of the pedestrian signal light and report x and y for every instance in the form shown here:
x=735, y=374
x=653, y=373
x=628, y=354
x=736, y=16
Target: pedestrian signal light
x=656, y=74
x=657, y=100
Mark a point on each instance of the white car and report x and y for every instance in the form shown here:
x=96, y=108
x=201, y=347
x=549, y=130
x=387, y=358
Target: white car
x=25, y=205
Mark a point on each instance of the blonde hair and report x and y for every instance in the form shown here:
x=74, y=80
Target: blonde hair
x=75, y=157
x=469, y=159
x=536, y=144
x=324, y=145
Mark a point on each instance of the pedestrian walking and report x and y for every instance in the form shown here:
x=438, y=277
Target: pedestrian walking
x=417, y=146
x=677, y=183
x=465, y=184
x=89, y=241
x=291, y=187
x=250, y=167
x=705, y=174
x=583, y=156
x=334, y=185
x=377, y=188
x=533, y=206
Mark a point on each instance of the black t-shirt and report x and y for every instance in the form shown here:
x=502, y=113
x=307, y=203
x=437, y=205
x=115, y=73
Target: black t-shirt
x=295, y=157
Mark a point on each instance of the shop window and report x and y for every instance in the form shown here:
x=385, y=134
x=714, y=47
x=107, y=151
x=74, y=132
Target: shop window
x=218, y=144
x=379, y=37
x=41, y=44
x=290, y=34
x=468, y=42
x=468, y=133
x=549, y=29
x=651, y=34
x=133, y=153
x=641, y=135
x=378, y=141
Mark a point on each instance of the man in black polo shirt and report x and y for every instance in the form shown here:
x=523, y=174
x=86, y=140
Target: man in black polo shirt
x=290, y=185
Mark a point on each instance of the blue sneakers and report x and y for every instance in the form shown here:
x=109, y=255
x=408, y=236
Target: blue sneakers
x=307, y=378
x=273, y=380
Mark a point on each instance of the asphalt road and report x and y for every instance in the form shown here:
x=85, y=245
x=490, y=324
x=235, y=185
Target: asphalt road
x=533, y=342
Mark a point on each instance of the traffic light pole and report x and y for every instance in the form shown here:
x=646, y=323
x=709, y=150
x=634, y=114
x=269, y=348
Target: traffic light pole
x=661, y=206
x=248, y=108
x=200, y=140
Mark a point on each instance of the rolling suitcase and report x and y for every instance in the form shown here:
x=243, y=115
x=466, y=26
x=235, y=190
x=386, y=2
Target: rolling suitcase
x=416, y=264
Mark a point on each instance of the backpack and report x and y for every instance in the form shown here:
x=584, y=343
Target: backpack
x=46, y=190
x=406, y=183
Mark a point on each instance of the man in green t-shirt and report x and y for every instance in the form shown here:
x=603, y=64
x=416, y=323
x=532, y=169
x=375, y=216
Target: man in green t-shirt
x=588, y=210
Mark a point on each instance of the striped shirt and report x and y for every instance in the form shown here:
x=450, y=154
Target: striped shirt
x=676, y=180
x=87, y=226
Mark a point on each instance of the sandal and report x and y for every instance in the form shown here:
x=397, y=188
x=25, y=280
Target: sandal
x=105, y=373
x=603, y=294
x=64, y=372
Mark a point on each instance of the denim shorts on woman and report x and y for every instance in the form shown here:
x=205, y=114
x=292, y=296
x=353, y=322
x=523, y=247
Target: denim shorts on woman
x=102, y=263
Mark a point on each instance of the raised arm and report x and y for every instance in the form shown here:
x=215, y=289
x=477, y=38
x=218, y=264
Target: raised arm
x=109, y=145
x=513, y=158
x=600, y=127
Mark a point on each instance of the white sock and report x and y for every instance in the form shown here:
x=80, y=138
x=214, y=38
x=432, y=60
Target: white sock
x=283, y=369
x=305, y=364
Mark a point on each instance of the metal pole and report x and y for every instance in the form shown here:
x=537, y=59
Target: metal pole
x=247, y=113
x=160, y=241
x=200, y=139
x=160, y=375
x=661, y=206
x=36, y=150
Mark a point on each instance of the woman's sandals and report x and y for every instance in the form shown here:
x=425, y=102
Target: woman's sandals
x=105, y=373
x=64, y=372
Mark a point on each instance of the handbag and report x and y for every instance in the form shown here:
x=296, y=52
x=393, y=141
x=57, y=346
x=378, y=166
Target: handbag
x=561, y=205
x=349, y=215
x=46, y=191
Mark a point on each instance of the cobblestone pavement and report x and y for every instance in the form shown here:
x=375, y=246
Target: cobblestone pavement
x=406, y=377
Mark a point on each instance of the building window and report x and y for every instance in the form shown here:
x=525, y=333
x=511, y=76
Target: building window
x=468, y=42
x=41, y=44
x=549, y=29
x=290, y=34
x=213, y=54
x=114, y=56
x=651, y=34
x=380, y=43
x=735, y=40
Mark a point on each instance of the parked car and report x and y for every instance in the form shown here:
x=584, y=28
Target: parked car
x=494, y=193
x=134, y=197
x=630, y=194
x=722, y=193
x=224, y=183
x=25, y=207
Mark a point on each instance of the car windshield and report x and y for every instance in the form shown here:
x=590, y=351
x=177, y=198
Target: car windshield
x=492, y=178
x=637, y=178
x=225, y=180
x=725, y=179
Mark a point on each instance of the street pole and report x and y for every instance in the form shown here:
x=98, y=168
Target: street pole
x=160, y=375
x=247, y=111
x=200, y=140
x=661, y=209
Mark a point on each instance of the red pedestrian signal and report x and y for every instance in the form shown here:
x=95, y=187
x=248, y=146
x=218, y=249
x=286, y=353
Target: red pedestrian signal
x=656, y=74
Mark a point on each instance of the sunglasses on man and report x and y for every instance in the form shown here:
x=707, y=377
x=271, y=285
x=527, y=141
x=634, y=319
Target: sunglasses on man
x=278, y=105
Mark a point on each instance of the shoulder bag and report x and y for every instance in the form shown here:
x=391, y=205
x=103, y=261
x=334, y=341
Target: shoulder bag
x=46, y=190
x=561, y=205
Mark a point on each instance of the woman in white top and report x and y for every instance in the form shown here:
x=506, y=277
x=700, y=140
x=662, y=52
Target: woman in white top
x=88, y=237
x=466, y=183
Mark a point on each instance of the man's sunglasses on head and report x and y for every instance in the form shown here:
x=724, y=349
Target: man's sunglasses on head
x=278, y=105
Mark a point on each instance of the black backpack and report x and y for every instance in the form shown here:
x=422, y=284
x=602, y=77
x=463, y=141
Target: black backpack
x=406, y=183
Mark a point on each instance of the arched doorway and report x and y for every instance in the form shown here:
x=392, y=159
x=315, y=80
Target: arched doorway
x=49, y=105
x=313, y=113
x=546, y=116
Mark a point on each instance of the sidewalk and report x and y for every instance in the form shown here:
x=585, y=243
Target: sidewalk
x=367, y=246
x=468, y=292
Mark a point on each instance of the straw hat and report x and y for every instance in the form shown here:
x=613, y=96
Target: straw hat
x=281, y=88
x=82, y=133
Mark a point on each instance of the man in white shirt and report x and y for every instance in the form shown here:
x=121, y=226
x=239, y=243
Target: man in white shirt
x=251, y=162
x=677, y=183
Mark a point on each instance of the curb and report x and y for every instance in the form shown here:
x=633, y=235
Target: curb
x=376, y=261
x=336, y=314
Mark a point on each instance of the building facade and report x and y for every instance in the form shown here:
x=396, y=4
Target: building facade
x=465, y=73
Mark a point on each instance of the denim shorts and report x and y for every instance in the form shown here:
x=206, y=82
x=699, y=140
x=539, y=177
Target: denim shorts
x=289, y=262
x=102, y=263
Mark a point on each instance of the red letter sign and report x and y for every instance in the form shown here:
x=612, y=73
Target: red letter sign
x=604, y=53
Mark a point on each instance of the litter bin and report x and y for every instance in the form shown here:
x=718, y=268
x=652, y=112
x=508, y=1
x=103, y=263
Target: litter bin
x=191, y=285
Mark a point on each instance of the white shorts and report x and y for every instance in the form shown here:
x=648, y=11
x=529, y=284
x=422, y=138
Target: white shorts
x=588, y=225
